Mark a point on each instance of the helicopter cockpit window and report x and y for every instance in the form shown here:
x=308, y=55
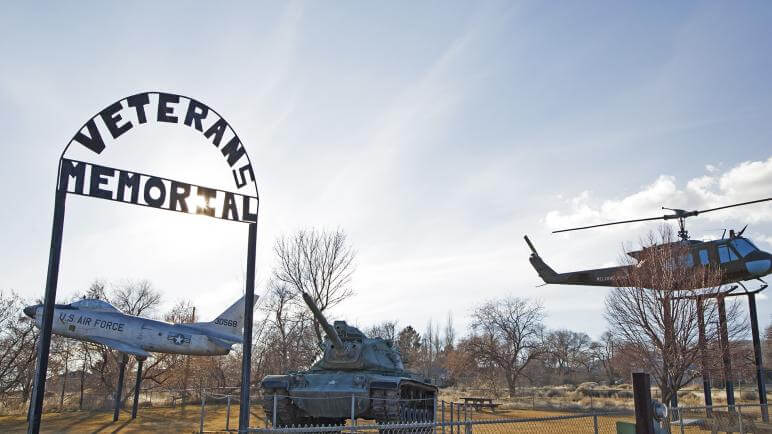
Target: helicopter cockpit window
x=725, y=254
x=743, y=247
x=704, y=260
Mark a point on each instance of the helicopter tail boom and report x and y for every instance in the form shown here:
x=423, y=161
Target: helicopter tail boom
x=596, y=277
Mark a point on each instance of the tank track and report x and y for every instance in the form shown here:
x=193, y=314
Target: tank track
x=399, y=406
x=285, y=410
x=385, y=405
x=287, y=415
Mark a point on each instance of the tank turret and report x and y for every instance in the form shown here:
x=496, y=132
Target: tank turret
x=347, y=348
x=352, y=364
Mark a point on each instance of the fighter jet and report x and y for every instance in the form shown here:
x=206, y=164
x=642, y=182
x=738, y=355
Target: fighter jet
x=97, y=321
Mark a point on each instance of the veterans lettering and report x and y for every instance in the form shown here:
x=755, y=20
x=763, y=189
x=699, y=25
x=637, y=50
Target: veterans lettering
x=148, y=107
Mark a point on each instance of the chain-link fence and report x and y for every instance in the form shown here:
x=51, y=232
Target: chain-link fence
x=384, y=415
x=55, y=401
x=745, y=418
x=585, y=423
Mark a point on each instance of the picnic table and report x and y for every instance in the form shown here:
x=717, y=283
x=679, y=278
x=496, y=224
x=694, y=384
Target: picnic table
x=479, y=403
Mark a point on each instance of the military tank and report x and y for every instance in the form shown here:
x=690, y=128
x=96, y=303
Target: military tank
x=352, y=365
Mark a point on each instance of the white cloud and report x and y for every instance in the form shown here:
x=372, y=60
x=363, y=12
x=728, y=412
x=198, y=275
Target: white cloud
x=747, y=181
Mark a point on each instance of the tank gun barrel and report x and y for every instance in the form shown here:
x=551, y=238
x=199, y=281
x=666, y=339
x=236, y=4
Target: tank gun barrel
x=328, y=329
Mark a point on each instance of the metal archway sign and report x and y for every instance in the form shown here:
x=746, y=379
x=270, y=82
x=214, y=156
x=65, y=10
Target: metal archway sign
x=154, y=191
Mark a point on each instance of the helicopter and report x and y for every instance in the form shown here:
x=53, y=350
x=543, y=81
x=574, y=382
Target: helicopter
x=738, y=258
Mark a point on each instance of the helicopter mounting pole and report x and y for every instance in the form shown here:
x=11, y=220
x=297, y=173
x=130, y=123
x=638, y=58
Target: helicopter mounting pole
x=704, y=357
x=726, y=357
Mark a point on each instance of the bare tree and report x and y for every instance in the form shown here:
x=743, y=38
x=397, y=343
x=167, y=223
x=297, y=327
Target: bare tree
x=62, y=352
x=604, y=352
x=654, y=314
x=18, y=339
x=319, y=263
x=450, y=332
x=289, y=338
x=567, y=352
x=386, y=330
x=508, y=333
x=136, y=297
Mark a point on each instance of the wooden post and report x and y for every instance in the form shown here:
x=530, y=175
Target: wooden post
x=644, y=412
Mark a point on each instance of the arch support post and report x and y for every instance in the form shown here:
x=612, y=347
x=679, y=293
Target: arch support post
x=249, y=302
x=52, y=279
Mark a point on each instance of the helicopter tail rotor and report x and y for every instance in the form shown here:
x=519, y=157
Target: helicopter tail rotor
x=533, y=249
x=547, y=274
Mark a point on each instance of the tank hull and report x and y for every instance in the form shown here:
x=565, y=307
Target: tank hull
x=326, y=397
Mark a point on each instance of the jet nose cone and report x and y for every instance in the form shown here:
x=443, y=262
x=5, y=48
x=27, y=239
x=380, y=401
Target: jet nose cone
x=30, y=311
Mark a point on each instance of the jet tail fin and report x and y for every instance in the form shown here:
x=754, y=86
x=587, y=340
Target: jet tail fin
x=545, y=272
x=227, y=325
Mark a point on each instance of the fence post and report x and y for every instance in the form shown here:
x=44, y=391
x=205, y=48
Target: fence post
x=353, y=414
x=740, y=418
x=681, y=422
x=228, y=414
x=451, y=417
x=595, y=422
x=203, y=403
x=443, y=416
x=273, y=422
x=434, y=409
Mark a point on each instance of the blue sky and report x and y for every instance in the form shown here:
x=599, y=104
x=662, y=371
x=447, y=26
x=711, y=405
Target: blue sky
x=435, y=134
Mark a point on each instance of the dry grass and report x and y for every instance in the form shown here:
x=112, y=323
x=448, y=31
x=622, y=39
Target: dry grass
x=590, y=396
x=148, y=419
x=187, y=420
x=549, y=401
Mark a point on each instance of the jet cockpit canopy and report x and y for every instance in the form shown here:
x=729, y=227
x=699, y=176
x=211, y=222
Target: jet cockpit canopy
x=94, y=304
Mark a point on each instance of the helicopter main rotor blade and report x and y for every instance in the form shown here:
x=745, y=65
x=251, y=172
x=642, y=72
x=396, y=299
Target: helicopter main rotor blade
x=613, y=223
x=736, y=204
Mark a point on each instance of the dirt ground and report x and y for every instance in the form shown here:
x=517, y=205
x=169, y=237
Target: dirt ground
x=187, y=420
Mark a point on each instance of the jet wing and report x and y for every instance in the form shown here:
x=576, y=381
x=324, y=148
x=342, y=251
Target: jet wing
x=121, y=346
